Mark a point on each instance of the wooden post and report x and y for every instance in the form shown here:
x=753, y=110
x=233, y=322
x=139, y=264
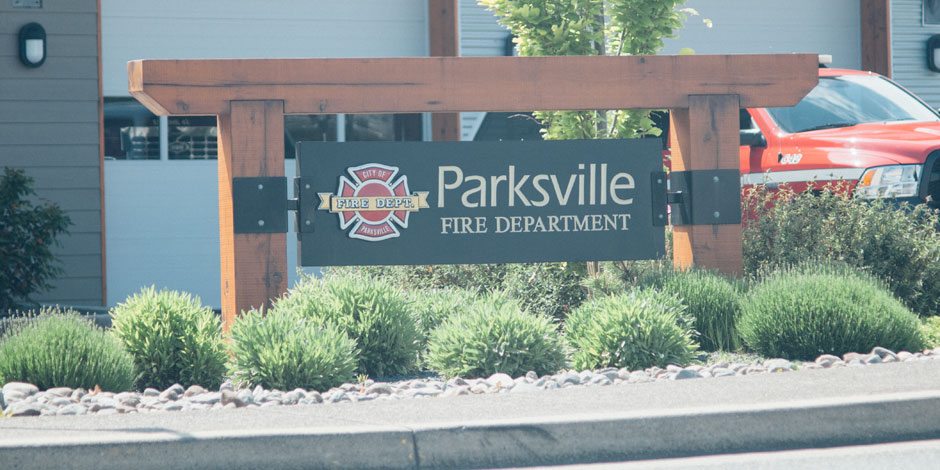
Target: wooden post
x=705, y=137
x=254, y=266
x=876, y=36
x=444, y=41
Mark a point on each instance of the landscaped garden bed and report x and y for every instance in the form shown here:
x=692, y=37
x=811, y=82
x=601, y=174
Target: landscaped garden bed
x=431, y=331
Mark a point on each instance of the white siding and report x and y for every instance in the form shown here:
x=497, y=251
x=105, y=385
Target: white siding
x=186, y=29
x=774, y=27
x=909, y=50
x=162, y=216
x=163, y=228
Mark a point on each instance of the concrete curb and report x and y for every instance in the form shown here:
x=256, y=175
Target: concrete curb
x=522, y=442
x=681, y=433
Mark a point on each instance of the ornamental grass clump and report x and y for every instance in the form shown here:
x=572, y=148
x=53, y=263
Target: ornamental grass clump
x=372, y=312
x=173, y=339
x=812, y=309
x=636, y=330
x=495, y=335
x=61, y=349
x=712, y=300
x=433, y=306
x=284, y=351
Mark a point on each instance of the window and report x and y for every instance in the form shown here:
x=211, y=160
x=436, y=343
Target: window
x=848, y=100
x=131, y=132
x=932, y=12
x=745, y=122
x=192, y=138
x=310, y=127
x=396, y=127
x=134, y=133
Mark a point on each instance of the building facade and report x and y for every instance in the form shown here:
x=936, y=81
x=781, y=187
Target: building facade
x=50, y=127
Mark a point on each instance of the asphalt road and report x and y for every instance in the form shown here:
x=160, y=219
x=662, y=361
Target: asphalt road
x=917, y=455
x=660, y=420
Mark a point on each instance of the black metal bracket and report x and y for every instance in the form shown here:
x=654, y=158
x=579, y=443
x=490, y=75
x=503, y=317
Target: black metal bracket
x=705, y=197
x=306, y=204
x=259, y=205
x=660, y=198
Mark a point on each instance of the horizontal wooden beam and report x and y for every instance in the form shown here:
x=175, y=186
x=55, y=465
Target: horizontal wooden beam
x=450, y=84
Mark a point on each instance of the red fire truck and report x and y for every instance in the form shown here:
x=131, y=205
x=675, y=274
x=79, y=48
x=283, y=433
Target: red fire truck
x=858, y=128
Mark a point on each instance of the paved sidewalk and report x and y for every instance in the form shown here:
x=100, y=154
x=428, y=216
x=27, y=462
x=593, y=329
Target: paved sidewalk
x=764, y=412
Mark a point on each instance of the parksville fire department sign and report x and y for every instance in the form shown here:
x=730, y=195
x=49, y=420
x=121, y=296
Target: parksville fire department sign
x=363, y=203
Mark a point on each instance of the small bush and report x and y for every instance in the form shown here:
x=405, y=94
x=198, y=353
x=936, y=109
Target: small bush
x=898, y=244
x=552, y=289
x=283, y=350
x=433, y=306
x=547, y=288
x=60, y=349
x=712, y=300
x=635, y=330
x=495, y=335
x=173, y=339
x=814, y=309
x=930, y=330
x=372, y=312
x=27, y=235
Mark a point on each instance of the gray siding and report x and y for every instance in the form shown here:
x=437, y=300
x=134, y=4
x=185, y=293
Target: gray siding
x=480, y=35
x=909, y=50
x=49, y=127
x=773, y=27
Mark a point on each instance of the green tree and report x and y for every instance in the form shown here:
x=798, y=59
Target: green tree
x=591, y=27
x=27, y=235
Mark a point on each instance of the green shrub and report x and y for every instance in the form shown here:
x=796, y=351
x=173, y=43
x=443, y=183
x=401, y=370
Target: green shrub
x=495, y=335
x=712, y=300
x=173, y=339
x=898, y=244
x=432, y=306
x=61, y=349
x=814, y=309
x=284, y=350
x=930, y=329
x=552, y=289
x=372, y=312
x=636, y=330
x=546, y=288
x=27, y=235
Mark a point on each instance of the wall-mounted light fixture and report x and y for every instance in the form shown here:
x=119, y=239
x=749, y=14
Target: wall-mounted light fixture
x=933, y=53
x=32, y=45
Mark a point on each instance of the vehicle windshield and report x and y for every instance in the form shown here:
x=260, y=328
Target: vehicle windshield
x=848, y=100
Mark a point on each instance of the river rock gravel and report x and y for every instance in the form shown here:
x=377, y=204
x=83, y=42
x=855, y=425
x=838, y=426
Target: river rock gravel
x=19, y=399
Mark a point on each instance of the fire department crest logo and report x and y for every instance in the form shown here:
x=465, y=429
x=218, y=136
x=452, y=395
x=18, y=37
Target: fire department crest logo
x=373, y=202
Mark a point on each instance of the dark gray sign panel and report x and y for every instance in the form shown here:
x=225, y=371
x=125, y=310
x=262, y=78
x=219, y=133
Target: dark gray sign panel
x=378, y=203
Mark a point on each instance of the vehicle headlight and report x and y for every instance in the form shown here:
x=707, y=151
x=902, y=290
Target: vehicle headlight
x=889, y=181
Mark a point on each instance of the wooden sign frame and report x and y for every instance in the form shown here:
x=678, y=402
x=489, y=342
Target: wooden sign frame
x=251, y=96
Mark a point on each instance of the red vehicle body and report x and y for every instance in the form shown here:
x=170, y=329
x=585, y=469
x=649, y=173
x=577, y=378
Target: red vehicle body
x=855, y=127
